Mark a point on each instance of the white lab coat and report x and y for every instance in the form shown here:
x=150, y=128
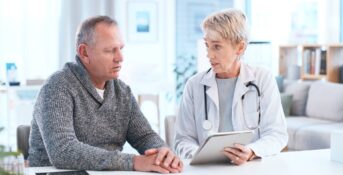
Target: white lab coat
x=189, y=133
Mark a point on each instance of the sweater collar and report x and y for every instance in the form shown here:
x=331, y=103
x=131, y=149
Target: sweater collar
x=82, y=75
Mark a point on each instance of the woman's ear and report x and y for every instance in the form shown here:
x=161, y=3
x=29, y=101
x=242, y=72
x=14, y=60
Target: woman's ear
x=82, y=51
x=241, y=47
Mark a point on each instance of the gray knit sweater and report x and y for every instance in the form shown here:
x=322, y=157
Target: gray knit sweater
x=74, y=128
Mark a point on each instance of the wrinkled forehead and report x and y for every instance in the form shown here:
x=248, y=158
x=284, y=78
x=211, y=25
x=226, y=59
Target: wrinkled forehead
x=108, y=32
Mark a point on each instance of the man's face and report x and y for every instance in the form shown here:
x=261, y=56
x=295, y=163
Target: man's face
x=105, y=53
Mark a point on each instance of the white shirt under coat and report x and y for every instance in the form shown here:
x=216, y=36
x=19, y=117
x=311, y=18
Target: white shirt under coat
x=273, y=130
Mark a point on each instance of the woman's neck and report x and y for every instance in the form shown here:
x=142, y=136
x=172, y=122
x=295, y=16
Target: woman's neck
x=232, y=72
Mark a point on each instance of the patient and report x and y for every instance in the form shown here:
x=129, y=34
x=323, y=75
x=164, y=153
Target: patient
x=84, y=114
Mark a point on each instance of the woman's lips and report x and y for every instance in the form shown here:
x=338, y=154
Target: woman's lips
x=214, y=64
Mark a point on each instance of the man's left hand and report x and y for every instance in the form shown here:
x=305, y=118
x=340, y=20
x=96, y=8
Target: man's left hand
x=166, y=158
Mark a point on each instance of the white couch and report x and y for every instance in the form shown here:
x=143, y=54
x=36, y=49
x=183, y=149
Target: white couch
x=316, y=111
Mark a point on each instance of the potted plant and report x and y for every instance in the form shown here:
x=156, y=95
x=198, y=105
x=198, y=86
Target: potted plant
x=10, y=163
x=185, y=67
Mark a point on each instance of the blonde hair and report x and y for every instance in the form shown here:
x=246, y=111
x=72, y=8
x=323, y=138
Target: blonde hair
x=229, y=24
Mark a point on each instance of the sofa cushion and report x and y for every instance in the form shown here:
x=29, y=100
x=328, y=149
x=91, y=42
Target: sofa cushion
x=296, y=123
x=280, y=82
x=299, y=90
x=315, y=136
x=286, y=101
x=325, y=101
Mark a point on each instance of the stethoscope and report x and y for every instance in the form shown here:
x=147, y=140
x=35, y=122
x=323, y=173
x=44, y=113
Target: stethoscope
x=207, y=125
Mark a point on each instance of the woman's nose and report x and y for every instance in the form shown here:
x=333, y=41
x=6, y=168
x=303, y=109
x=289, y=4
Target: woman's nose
x=210, y=55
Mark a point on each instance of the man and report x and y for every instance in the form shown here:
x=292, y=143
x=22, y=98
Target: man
x=84, y=114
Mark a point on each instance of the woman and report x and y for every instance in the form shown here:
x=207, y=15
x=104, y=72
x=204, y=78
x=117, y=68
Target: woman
x=231, y=96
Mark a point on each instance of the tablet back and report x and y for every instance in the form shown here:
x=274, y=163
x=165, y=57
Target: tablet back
x=212, y=149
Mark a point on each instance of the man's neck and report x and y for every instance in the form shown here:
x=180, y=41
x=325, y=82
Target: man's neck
x=100, y=84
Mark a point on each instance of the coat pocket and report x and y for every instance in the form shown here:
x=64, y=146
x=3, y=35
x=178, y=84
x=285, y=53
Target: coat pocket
x=251, y=120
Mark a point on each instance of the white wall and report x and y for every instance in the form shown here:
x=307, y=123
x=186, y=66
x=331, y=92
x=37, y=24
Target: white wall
x=147, y=66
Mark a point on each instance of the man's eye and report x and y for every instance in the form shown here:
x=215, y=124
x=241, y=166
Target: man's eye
x=109, y=51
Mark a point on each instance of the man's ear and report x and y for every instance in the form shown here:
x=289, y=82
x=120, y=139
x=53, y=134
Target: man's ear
x=83, y=53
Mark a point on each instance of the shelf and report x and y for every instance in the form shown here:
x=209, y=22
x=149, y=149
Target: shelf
x=312, y=77
x=315, y=61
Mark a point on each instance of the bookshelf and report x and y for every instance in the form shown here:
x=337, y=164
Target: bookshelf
x=315, y=61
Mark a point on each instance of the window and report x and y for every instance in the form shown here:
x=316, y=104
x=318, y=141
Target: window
x=29, y=37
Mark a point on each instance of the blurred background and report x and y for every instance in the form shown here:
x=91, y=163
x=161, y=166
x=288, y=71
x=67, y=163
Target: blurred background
x=163, y=45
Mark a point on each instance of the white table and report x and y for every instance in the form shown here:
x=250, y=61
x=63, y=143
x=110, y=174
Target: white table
x=315, y=162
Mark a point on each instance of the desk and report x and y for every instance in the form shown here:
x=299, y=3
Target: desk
x=314, y=162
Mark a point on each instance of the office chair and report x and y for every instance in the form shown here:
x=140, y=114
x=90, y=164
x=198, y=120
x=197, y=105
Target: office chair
x=23, y=134
x=154, y=98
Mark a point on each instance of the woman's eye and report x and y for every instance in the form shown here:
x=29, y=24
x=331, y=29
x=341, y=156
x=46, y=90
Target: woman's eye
x=206, y=45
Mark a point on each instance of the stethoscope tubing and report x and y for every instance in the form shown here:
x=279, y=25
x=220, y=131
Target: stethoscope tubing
x=207, y=124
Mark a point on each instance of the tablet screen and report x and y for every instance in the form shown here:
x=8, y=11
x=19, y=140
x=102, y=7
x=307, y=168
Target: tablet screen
x=64, y=173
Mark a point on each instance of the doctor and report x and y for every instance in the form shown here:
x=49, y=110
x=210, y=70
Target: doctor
x=230, y=96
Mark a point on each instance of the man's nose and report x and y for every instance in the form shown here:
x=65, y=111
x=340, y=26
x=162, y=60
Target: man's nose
x=118, y=56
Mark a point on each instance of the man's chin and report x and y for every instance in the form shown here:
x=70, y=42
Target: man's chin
x=115, y=76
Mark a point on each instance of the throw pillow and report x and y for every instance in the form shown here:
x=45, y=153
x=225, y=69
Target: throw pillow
x=286, y=101
x=299, y=90
x=279, y=81
x=325, y=101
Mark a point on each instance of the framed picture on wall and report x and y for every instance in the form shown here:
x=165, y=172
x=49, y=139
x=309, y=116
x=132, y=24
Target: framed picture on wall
x=196, y=13
x=142, y=22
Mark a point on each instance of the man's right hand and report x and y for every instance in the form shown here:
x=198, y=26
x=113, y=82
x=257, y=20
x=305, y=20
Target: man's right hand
x=147, y=163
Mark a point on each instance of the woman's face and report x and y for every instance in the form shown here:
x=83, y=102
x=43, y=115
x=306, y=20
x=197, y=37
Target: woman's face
x=222, y=54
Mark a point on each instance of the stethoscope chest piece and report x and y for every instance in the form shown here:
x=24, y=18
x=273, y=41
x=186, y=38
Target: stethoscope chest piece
x=207, y=125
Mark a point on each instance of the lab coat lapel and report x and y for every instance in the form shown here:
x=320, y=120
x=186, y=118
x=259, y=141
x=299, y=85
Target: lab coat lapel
x=212, y=90
x=244, y=77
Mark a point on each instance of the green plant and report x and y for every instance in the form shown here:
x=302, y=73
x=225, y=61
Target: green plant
x=3, y=155
x=185, y=67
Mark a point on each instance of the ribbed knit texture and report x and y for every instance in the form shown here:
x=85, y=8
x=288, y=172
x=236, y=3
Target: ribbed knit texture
x=74, y=128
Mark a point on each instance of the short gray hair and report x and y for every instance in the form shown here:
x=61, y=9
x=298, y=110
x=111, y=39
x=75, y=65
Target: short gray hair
x=229, y=24
x=85, y=32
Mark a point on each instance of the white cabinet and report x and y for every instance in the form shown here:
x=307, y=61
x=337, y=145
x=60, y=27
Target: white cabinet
x=16, y=108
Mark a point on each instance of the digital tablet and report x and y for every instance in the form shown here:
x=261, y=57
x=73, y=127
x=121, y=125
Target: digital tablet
x=212, y=149
x=79, y=172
